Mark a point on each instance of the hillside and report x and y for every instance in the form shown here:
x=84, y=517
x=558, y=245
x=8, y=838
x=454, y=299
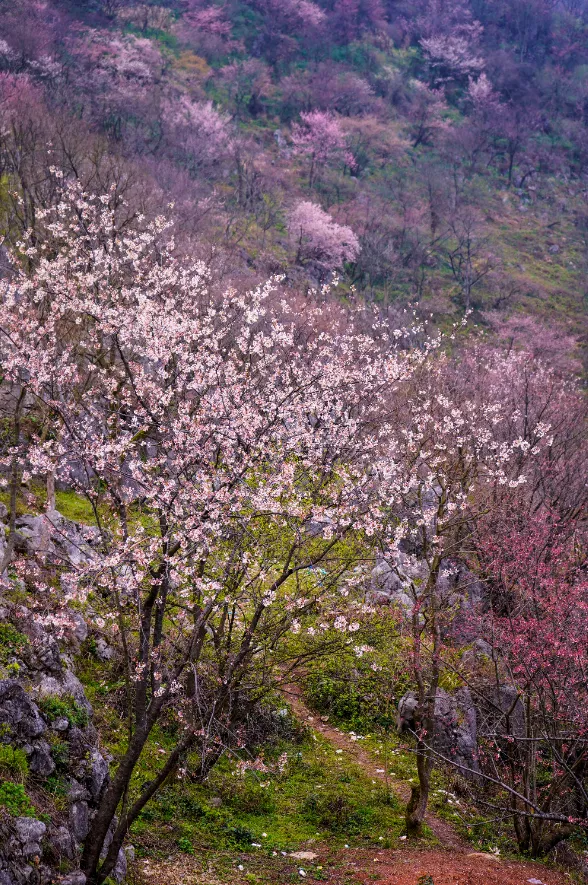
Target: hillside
x=293, y=442
x=445, y=141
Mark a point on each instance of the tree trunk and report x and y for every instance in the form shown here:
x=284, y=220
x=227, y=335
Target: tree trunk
x=419, y=798
x=108, y=806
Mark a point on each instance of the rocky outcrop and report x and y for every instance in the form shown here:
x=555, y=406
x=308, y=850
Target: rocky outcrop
x=394, y=579
x=53, y=536
x=45, y=714
x=455, y=725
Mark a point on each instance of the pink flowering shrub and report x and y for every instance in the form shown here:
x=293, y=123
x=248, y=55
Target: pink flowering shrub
x=319, y=239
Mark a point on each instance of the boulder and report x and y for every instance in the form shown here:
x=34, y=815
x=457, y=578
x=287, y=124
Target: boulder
x=98, y=774
x=40, y=761
x=79, y=820
x=391, y=580
x=104, y=652
x=18, y=714
x=51, y=534
x=501, y=711
x=66, y=684
x=28, y=833
x=76, y=878
x=62, y=842
x=119, y=872
x=79, y=629
x=77, y=792
x=564, y=855
x=455, y=725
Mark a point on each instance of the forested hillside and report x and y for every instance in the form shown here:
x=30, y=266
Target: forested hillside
x=432, y=153
x=293, y=442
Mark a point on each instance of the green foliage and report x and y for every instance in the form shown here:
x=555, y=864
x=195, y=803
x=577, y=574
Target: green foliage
x=361, y=692
x=13, y=760
x=60, y=754
x=12, y=642
x=54, y=707
x=185, y=845
x=249, y=796
x=15, y=800
x=335, y=810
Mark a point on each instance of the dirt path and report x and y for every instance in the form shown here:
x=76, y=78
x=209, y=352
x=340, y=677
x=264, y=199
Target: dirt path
x=454, y=864
x=443, y=831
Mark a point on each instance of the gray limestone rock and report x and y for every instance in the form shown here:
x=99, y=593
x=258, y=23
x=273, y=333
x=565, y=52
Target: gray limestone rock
x=64, y=685
x=79, y=820
x=76, y=878
x=62, y=842
x=29, y=833
x=40, y=761
x=51, y=534
x=456, y=731
x=120, y=868
x=18, y=713
x=98, y=774
x=104, y=652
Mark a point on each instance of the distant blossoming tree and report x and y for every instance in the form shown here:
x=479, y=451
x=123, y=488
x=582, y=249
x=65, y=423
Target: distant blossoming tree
x=199, y=134
x=320, y=240
x=321, y=139
x=451, y=57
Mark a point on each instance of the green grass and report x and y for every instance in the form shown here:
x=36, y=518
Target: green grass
x=309, y=792
x=319, y=796
x=71, y=505
x=54, y=707
x=75, y=507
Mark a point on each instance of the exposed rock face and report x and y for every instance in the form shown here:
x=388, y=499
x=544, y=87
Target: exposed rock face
x=391, y=581
x=18, y=713
x=33, y=852
x=455, y=725
x=394, y=579
x=564, y=855
x=501, y=711
x=52, y=535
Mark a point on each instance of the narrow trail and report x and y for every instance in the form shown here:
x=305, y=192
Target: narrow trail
x=443, y=831
x=454, y=863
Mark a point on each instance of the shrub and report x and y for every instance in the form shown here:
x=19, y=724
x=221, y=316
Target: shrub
x=54, y=707
x=14, y=798
x=250, y=797
x=11, y=642
x=335, y=810
x=60, y=754
x=239, y=835
x=13, y=760
x=185, y=845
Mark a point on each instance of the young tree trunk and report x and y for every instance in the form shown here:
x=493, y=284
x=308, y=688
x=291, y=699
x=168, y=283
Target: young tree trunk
x=108, y=806
x=419, y=797
x=427, y=695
